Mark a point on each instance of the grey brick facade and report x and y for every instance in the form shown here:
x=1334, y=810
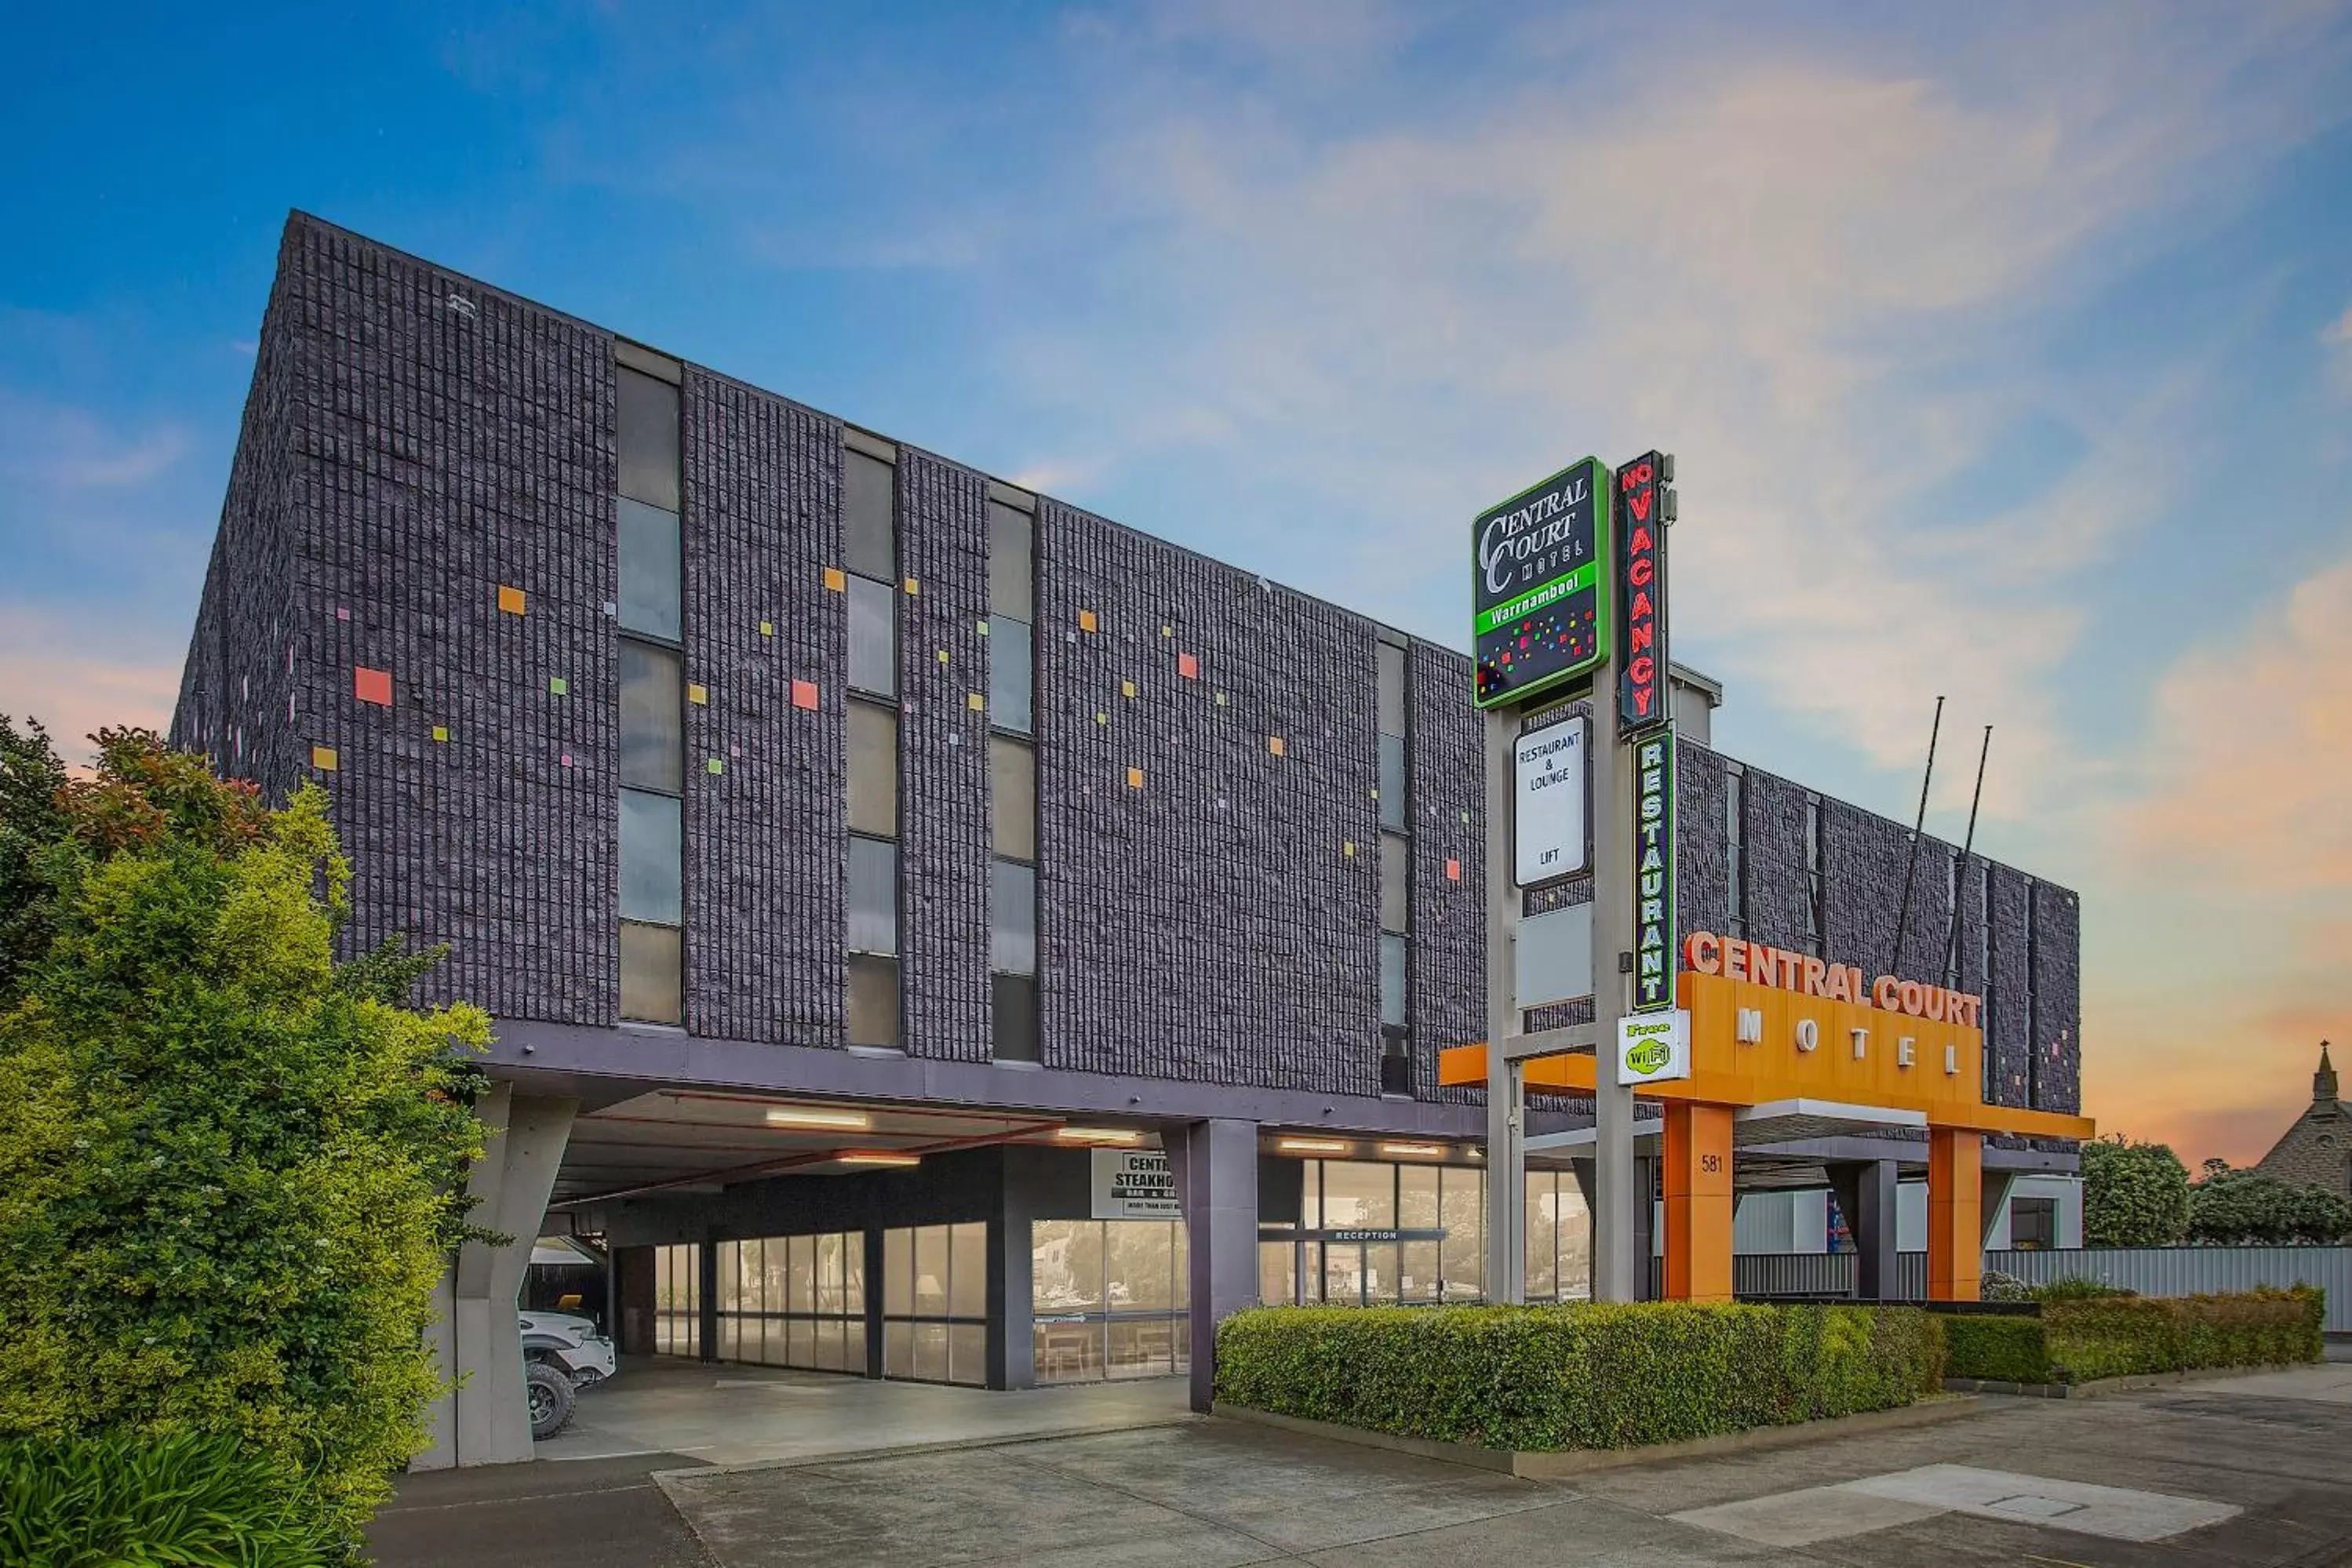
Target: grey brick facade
x=1209, y=900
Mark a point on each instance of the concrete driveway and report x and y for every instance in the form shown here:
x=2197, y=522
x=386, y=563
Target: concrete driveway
x=2244, y=1471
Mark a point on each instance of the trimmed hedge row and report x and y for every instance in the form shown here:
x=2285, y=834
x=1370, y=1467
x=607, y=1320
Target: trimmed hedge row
x=1582, y=1376
x=2077, y=1341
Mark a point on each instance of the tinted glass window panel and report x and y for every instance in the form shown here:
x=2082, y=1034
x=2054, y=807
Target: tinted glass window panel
x=1392, y=690
x=873, y=769
x=1393, y=980
x=649, y=569
x=931, y=1270
x=1012, y=919
x=873, y=637
x=647, y=438
x=1393, y=785
x=651, y=851
x=652, y=966
x=867, y=516
x=1010, y=704
x=1359, y=1194
x=873, y=896
x=873, y=1000
x=653, y=723
x=1012, y=1000
x=967, y=1271
x=1013, y=799
x=1395, y=878
x=1009, y=573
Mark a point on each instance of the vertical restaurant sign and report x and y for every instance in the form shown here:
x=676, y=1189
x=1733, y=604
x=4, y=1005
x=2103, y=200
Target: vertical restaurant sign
x=1642, y=590
x=1653, y=871
x=1134, y=1184
x=1540, y=609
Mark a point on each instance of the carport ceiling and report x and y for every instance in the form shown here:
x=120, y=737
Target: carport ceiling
x=692, y=1138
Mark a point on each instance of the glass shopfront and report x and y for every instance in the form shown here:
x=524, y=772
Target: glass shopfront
x=678, y=1301
x=1381, y=1234
x=935, y=1303
x=1107, y=1299
x=793, y=1300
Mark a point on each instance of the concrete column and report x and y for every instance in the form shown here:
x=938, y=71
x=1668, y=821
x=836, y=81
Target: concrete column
x=1215, y=1165
x=1698, y=1202
x=1954, y=1215
x=485, y=1419
x=1012, y=1297
x=1506, y=1155
x=1873, y=1219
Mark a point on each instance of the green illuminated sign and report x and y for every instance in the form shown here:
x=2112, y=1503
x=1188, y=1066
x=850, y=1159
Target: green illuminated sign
x=1540, y=609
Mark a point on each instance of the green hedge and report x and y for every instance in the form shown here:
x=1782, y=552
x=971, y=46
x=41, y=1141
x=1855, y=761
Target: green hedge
x=2077, y=1341
x=1582, y=1376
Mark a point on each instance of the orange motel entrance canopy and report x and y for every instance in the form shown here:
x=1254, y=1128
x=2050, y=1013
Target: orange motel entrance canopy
x=1785, y=1041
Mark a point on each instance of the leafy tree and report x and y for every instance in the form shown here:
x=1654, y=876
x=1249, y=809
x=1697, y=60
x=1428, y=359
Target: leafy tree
x=2134, y=1194
x=229, y=1168
x=2251, y=1209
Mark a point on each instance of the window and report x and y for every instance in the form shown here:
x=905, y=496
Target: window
x=1391, y=785
x=678, y=1301
x=873, y=1000
x=1391, y=706
x=935, y=1303
x=873, y=942
x=1735, y=849
x=795, y=1300
x=1559, y=1239
x=1010, y=568
x=1013, y=918
x=2032, y=1224
x=873, y=637
x=1393, y=981
x=1010, y=658
x=870, y=519
x=1816, y=908
x=873, y=769
x=652, y=741
x=1436, y=1211
x=1395, y=881
x=650, y=734
x=1109, y=1299
x=1013, y=799
x=647, y=437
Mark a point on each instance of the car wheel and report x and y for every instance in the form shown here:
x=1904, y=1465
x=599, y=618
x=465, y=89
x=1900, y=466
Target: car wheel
x=549, y=1392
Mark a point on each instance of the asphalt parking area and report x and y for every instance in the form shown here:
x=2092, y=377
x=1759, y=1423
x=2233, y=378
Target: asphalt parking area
x=2244, y=1472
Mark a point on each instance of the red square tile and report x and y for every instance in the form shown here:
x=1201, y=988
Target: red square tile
x=1454, y=870
x=373, y=685
x=1187, y=667
x=804, y=694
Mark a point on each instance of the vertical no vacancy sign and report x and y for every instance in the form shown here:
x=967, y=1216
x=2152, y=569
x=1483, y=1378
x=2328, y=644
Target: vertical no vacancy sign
x=1641, y=588
x=1653, y=871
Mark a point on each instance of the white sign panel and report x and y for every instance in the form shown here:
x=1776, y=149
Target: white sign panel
x=1134, y=1184
x=1652, y=1047
x=1550, y=825
x=1552, y=958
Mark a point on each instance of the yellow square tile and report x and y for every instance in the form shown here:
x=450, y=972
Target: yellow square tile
x=1221, y=699
x=767, y=628
x=322, y=757
x=835, y=579
x=943, y=656
x=1127, y=688
x=980, y=627
x=914, y=586
x=440, y=732
x=1135, y=778
x=1102, y=718
x=974, y=701
x=698, y=695
x=1168, y=630
x=1347, y=849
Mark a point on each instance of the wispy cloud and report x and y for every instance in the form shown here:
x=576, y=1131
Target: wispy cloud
x=50, y=670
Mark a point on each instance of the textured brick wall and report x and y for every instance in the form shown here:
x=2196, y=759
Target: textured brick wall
x=401, y=460
x=1210, y=921
x=764, y=836
x=944, y=850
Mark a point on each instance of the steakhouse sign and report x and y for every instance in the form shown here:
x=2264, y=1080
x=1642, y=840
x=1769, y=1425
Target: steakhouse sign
x=1540, y=608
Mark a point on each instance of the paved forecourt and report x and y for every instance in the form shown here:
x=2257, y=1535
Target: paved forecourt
x=2232, y=1471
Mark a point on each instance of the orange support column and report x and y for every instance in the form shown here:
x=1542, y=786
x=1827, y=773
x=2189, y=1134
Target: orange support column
x=1955, y=1214
x=1698, y=1181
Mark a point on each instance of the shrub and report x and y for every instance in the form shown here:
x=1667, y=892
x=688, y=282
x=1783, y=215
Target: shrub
x=2082, y=1338
x=2074, y=1288
x=1997, y=1349
x=2253, y=1208
x=2134, y=1194
x=1582, y=1376
x=229, y=1166
x=118, y=1501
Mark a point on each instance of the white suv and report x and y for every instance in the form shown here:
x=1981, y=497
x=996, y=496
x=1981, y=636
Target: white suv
x=571, y=1343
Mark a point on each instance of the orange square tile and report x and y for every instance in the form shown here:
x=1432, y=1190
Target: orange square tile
x=373, y=685
x=1135, y=778
x=835, y=579
x=1086, y=620
x=804, y=694
x=1274, y=744
x=1187, y=667
x=513, y=600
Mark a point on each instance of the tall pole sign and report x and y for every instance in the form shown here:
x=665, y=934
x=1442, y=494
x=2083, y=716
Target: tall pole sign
x=1653, y=871
x=1644, y=509
x=1540, y=608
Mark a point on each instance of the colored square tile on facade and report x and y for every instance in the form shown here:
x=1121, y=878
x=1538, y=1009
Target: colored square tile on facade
x=558, y=686
x=1086, y=620
x=512, y=601
x=373, y=685
x=440, y=732
x=974, y=701
x=804, y=694
x=698, y=695
x=322, y=757
x=1187, y=667
x=1454, y=870
x=1135, y=778
x=1127, y=688
x=1274, y=744
x=836, y=580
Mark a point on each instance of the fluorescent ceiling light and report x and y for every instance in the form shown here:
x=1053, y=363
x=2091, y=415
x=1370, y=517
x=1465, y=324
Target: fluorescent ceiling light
x=1099, y=1135
x=810, y=1116
x=1427, y=1151
x=877, y=1157
x=1313, y=1145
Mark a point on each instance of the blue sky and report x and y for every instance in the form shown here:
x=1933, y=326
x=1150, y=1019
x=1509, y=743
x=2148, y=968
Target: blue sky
x=2007, y=356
